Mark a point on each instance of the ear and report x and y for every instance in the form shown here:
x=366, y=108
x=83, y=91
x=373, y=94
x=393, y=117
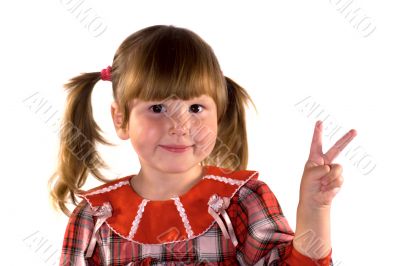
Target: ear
x=118, y=117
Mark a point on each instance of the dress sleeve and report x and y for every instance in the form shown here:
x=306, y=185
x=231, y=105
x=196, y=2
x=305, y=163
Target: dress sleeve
x=77, y=237
x=264, y=234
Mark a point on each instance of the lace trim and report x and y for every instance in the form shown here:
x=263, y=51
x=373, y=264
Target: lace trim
x=109, y=188
x=226, y=180
x=135, y=223
x=183, y=215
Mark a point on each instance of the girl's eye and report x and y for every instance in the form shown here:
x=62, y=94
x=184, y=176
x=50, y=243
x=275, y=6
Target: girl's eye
x=157, y=108
x=195, y=107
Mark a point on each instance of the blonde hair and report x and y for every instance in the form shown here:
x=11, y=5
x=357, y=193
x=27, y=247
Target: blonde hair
x=151, y=64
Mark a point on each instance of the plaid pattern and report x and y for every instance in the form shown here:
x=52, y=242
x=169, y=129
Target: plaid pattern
x=264, y=235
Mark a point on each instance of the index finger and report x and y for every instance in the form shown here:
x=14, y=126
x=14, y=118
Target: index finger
x=335, y=150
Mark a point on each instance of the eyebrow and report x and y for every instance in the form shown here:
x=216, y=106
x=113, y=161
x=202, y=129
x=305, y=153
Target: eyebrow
x=202, y=98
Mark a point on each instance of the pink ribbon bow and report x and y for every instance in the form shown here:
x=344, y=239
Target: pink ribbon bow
x=217, y=207
x=102, y=213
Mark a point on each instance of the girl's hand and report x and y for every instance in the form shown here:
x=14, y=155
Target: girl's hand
x=321, y=179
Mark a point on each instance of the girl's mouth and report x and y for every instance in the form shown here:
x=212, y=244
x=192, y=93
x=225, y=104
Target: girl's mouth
x=176, y=148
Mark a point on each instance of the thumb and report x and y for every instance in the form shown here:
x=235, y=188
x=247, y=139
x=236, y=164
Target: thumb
x=317, y=170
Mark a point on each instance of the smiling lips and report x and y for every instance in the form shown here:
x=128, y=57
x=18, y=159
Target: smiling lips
x=176, y=148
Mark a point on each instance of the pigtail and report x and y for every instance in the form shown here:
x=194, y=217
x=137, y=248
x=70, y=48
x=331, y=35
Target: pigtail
x=79, y=134
x=231, y=149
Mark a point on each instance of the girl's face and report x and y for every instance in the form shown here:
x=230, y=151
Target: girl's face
x=172, y=135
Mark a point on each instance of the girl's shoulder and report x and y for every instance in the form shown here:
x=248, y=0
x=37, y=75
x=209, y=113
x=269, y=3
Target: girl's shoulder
x=257, y=195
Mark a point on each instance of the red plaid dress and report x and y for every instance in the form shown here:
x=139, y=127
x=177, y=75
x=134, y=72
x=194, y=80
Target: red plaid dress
x=227, y=218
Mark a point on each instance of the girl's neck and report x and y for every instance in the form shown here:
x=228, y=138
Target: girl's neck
x=154, y=185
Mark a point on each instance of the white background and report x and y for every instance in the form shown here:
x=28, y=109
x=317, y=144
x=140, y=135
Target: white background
x=285, y=53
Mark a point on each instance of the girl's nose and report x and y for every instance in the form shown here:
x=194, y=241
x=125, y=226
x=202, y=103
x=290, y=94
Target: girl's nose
x=179, y=120
x=178, y=129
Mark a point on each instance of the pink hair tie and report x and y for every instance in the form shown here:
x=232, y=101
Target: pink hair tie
x=106, y=73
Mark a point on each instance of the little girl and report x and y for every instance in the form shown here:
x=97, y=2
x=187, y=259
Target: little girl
x=193, y=202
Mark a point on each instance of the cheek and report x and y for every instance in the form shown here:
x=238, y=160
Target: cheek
x=145, y=133
x=205, y=133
